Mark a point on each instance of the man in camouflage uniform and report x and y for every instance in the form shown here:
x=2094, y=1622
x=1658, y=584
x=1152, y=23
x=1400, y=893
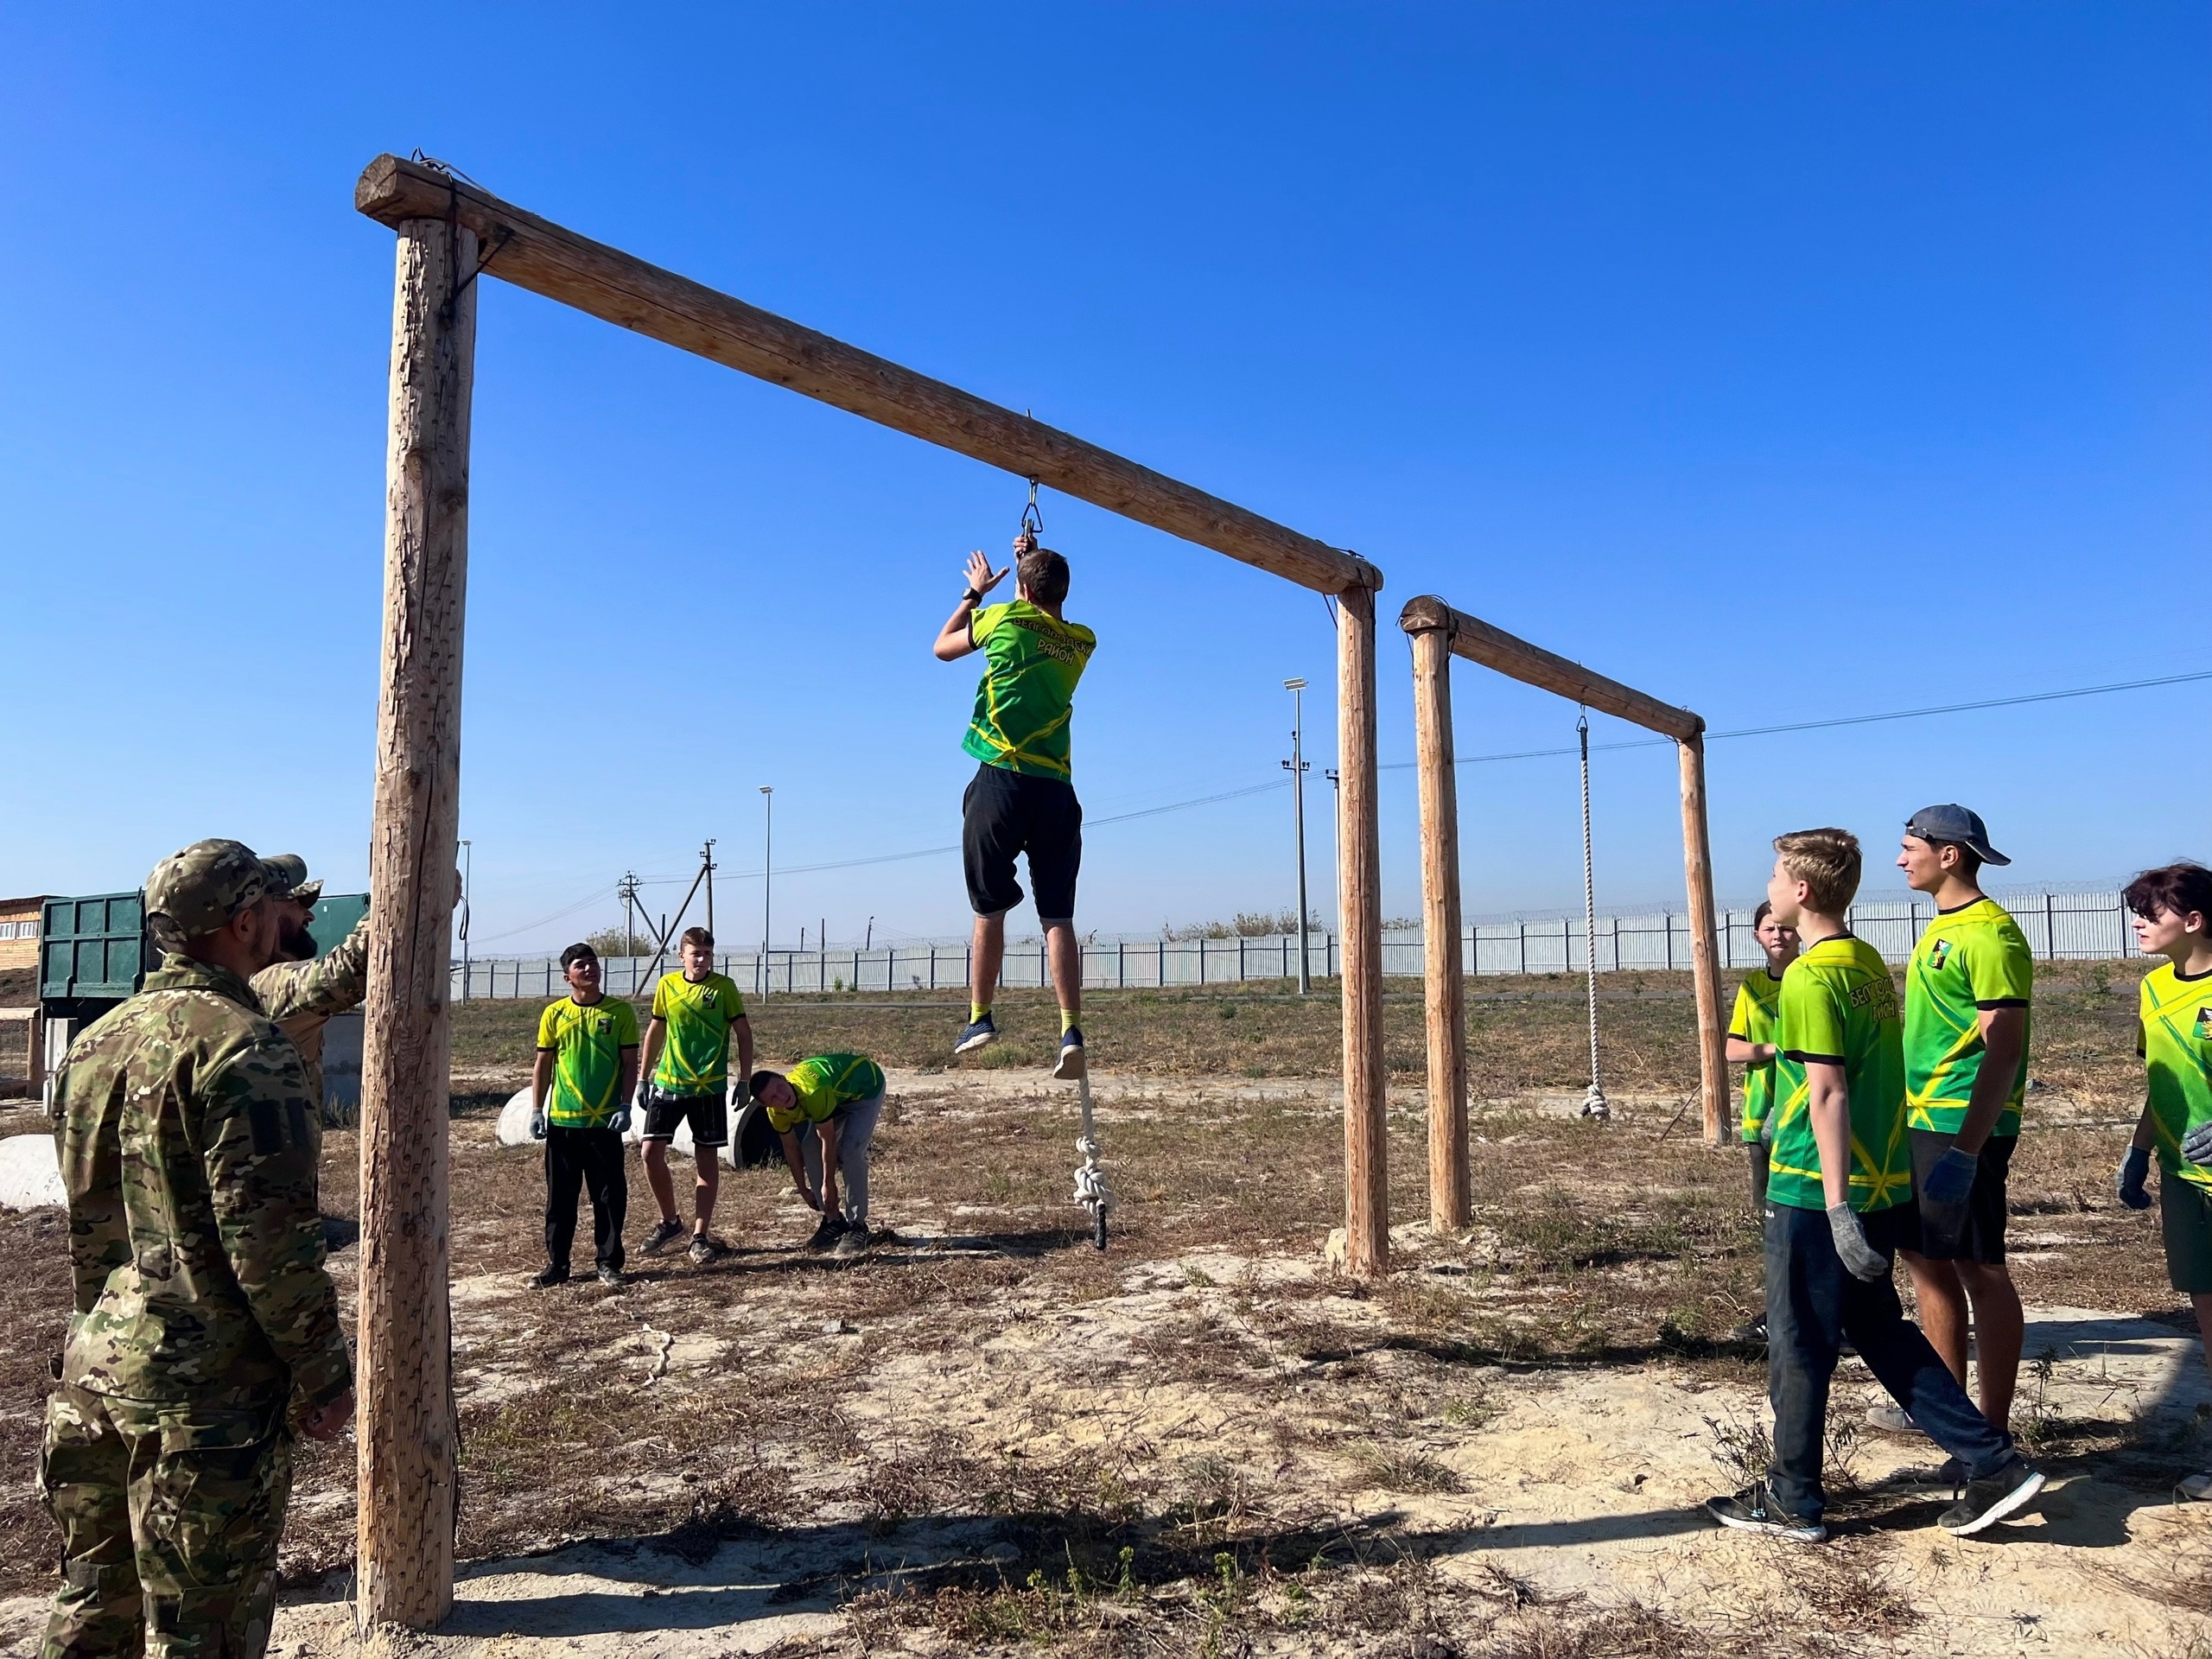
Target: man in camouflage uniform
x=301, y=994
x=188, y=1146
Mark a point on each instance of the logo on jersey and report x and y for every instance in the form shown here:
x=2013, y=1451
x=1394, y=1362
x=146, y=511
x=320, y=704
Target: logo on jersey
x=1939, y=953
x=2204, y=1025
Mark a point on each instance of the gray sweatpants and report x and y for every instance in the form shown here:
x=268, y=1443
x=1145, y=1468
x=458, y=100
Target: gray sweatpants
x=855, y=1129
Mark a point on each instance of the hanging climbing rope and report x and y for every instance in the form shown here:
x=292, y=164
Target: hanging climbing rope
x=1090, y=1189
x=1595, y=1104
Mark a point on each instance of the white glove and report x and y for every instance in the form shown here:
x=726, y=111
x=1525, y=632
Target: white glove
x=537, y=1124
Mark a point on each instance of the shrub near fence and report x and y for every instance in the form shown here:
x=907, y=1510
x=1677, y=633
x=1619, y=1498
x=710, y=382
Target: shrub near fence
x=2059, y=926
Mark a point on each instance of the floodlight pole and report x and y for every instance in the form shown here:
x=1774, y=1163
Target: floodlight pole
x=767, y=877
x=1297, y=764
x=406, y=1432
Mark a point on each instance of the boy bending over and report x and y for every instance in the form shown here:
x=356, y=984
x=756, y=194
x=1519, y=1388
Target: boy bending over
x=824, y=1110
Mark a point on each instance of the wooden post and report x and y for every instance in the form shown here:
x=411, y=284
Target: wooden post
x=1359, y=887
x=1705, y=954
x=406, y=1429
x=1449, y=1199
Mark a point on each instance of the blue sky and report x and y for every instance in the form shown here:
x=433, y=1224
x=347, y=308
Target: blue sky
x=1786, y=362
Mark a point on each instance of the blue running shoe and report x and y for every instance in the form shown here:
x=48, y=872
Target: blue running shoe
x=1069, y=1066
x=981, y=1033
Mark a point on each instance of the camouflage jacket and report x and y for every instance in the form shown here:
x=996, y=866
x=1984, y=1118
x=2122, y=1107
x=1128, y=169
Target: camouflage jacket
x=302, y=996
x=189, y=1150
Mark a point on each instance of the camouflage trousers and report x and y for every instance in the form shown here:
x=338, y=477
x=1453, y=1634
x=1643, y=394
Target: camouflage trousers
x=169, y=1520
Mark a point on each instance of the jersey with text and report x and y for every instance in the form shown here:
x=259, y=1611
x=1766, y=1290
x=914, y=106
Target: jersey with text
x=1838, y=1005
x=823, y=1084
x=1753, y=1021
x=587, y=1045
x=695, y=1056
x=2175, y=1041
x=1027, y=696
x=1968, y=959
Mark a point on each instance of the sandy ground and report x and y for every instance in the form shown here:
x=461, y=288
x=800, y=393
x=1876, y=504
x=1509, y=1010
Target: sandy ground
x=1496, y=1502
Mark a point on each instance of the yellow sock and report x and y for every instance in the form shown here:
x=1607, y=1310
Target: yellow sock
x=978, y=1011
x=1068, y=1017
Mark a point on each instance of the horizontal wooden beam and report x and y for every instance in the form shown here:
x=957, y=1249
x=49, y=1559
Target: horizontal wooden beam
x=534, y=253
x=1478, y=642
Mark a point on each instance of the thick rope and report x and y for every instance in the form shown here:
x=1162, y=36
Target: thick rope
x=1090, y=1189
x=1595, y=1104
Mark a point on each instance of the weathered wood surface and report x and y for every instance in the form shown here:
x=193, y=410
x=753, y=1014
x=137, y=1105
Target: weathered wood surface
x=1359, y=888
x=1443, y=977
x=536, y=254
x=406, y=1431
x=1478, y=642
x=1705, y=949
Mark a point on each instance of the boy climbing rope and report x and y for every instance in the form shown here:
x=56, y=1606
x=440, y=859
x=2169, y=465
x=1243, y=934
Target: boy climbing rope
x=1021, y=799
x=696, y=1013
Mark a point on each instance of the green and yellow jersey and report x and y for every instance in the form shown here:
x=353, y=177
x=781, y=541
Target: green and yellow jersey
x=694, y=1057
x=1032, y=663
x=2175, y=1043
x=1838, y=1005
x=823, y=1084
x=1753, y=1021
x=1968, y=959
x=587, y=1045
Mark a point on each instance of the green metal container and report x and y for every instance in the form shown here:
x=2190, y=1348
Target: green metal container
x=96, y=950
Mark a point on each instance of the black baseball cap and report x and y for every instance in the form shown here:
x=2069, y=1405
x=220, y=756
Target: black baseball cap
x=1954, y=823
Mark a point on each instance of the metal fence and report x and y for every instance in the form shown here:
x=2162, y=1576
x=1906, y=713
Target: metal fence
x=2059, y=926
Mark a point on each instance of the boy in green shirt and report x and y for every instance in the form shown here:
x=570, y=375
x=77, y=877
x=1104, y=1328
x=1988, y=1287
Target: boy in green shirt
x=696, y=1013
x=587, y=1065
x=1839, y=1202
x=824, y=1110
x=1965, y=1063
x=1021, y=799
x=1750, y=1045
x=2173, y=919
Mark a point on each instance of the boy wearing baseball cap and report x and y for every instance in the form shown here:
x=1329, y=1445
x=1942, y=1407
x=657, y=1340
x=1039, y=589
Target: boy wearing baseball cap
x=1966, y=1057
x=1838, y=1203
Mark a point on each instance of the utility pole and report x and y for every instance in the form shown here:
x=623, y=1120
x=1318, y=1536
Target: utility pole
x=707, y=857
x=1298, y=767
x=767, y=878
x=868, y=941
x=627, y=886
x=467, y=868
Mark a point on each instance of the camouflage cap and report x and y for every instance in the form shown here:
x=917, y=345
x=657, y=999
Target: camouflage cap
x=199, y=889
x=288, y=878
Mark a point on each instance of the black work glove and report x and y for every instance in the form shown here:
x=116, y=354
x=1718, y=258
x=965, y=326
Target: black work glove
x=2134, y=1169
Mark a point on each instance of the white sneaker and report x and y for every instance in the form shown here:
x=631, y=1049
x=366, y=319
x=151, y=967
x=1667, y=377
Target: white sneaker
x=1892, y=1419
x=2198, y=1488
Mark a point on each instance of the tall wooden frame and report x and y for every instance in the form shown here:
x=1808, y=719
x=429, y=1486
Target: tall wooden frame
x=452, y=233
x=1439, y=633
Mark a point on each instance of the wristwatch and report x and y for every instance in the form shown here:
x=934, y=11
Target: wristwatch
x=971, y=596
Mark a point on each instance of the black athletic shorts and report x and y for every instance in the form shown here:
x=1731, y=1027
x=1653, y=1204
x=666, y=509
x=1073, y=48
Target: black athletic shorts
x=709, y=1115
x=1975, y=1231
x=1005, y=813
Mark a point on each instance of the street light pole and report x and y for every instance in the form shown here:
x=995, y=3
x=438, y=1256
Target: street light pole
x=467, y=868
x=706, y=856
x=767, y=877
x=1297, y=766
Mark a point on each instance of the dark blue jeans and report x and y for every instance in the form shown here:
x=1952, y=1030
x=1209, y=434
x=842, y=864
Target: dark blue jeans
x=1812, y=1304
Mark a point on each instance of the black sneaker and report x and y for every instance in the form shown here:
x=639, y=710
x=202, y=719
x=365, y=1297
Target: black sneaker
x=663, y=1235
x=826, y=1236
x=1989, y=1500
x=1752, y=1511
x=854, y=1241
x=1069, y=1066
x=612, y=1278
x=1751, y=1331
x=546, y=1277
x=704, y=1250
x=978, y=1034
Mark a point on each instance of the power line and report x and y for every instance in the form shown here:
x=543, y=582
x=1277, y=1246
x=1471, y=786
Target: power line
x=1461, y=761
